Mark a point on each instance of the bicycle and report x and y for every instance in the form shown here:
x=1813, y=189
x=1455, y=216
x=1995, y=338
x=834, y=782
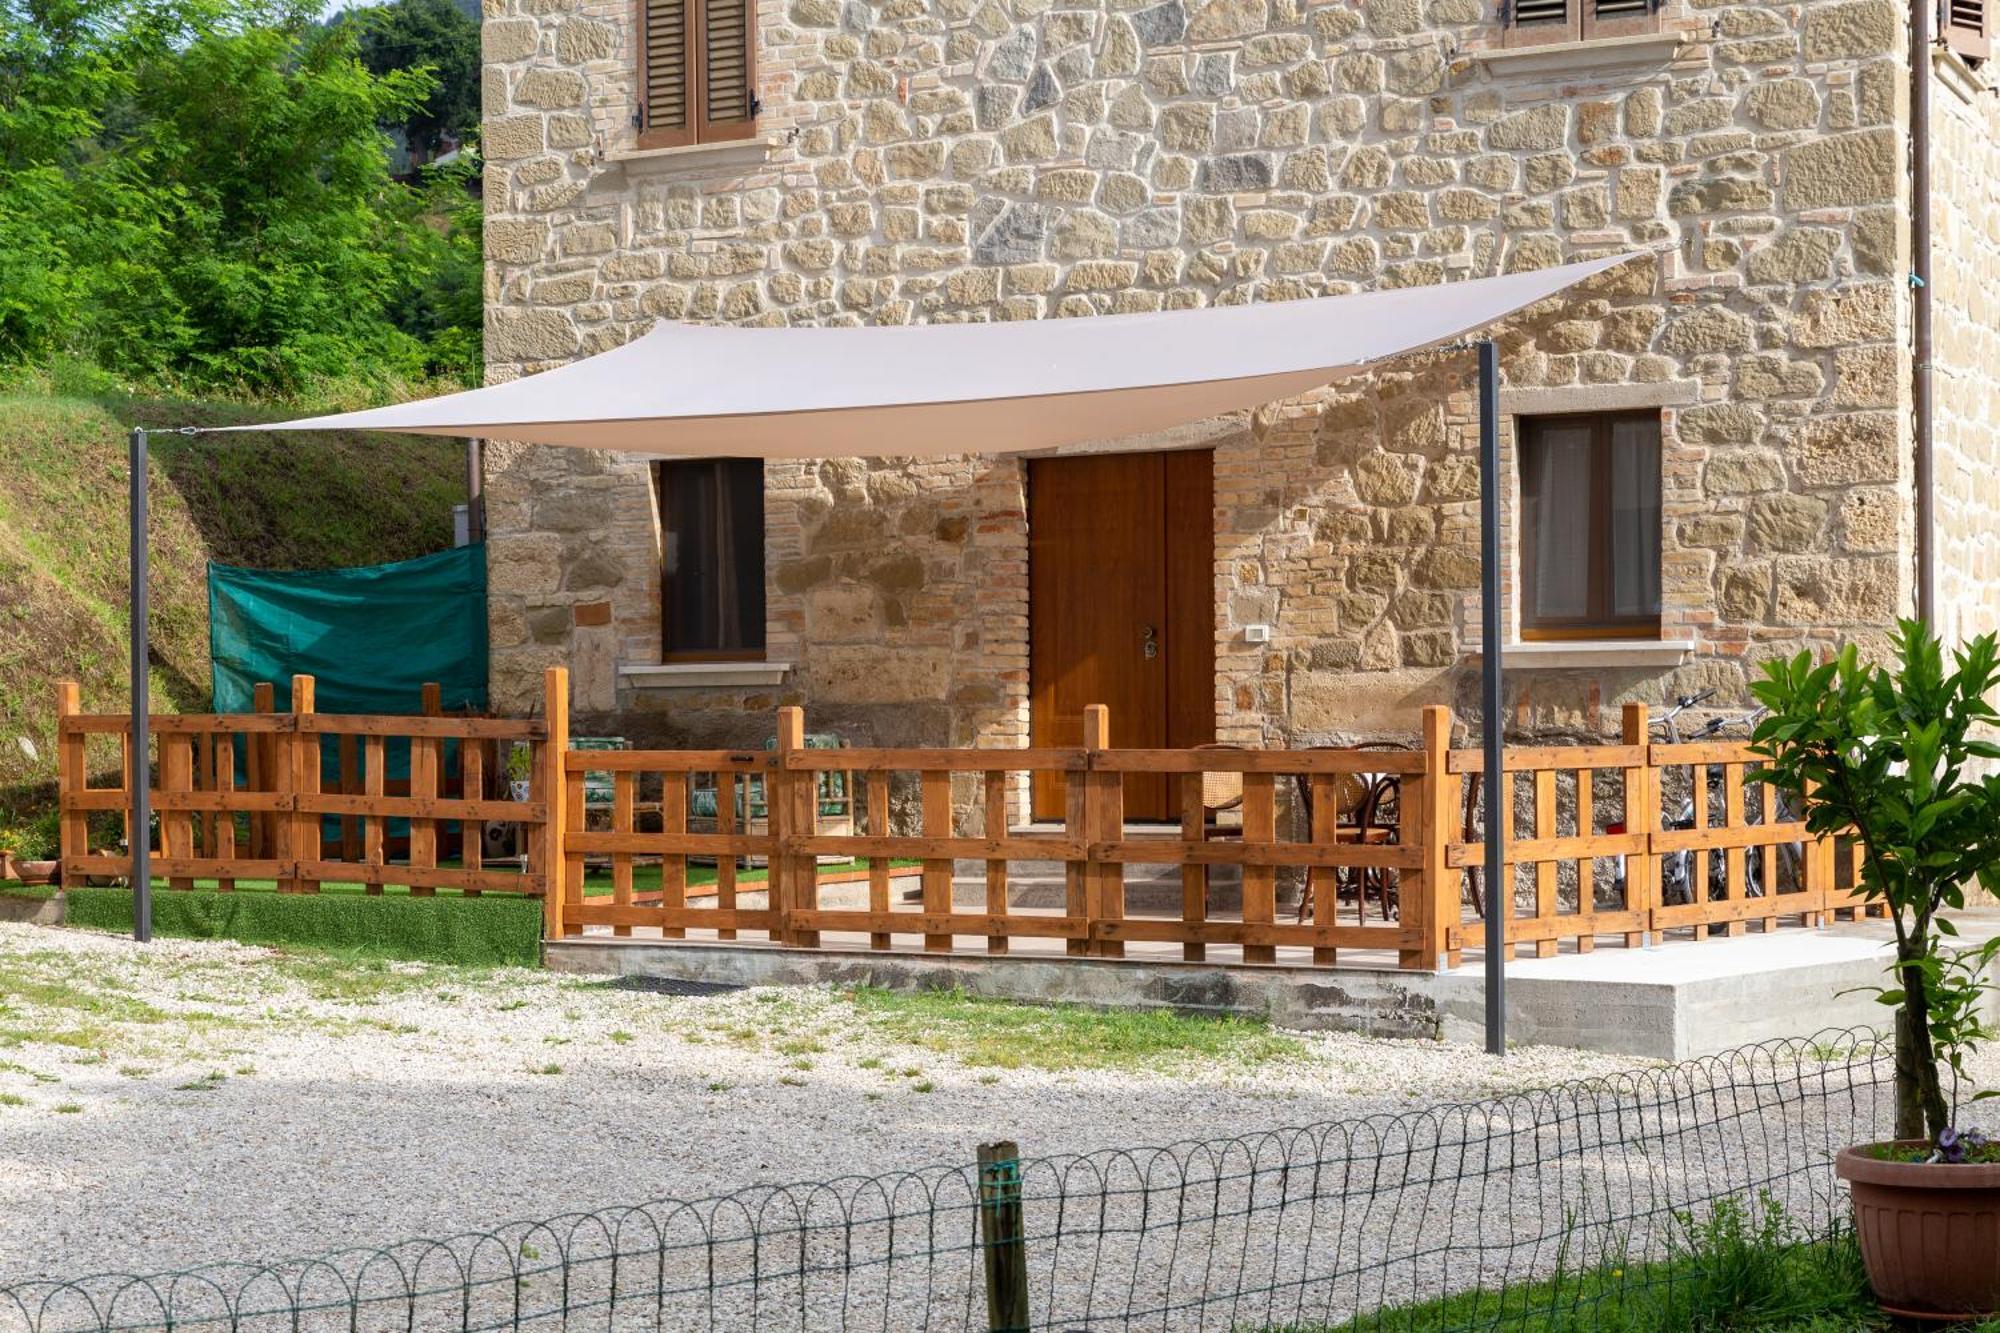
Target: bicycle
x=1677, y=873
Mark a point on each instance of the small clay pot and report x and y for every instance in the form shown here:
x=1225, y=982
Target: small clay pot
x=1929, y=1232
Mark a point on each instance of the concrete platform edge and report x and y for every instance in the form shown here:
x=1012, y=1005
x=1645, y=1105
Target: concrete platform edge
x=1661, y=1020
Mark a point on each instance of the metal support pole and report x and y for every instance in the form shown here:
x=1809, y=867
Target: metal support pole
x=141, y=778
x=1499, y=893
x=475, y=490
x=1922, y=376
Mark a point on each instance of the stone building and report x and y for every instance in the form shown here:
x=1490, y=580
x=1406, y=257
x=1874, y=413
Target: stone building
x=1709, y=452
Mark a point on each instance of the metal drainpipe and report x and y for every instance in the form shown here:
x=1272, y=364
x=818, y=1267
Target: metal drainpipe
x=475, y=490
x=1920, y=284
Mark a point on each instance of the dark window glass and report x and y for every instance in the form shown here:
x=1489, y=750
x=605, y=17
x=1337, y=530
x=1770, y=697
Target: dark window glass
x=1590, y=526
x=712, y=539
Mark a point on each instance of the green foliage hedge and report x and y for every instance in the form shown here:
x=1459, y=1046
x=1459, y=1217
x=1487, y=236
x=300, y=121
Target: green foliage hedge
x=198, y=192
x=473, y=931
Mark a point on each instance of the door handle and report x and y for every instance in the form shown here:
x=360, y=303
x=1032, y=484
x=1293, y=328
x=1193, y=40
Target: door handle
x=1152, y=643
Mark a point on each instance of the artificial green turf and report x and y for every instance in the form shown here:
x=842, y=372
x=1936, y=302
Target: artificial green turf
x=492, y=930
x=596, y=882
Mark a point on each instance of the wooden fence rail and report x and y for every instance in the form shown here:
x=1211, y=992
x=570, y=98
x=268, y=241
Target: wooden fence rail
x=246, y=796
x=1302, y=855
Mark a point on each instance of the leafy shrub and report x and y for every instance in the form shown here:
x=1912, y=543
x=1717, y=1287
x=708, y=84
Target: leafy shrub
x=199, y=194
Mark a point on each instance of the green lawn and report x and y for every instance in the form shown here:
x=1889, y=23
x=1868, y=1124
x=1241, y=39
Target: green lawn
x=1002, y=1034
x=1731, y=1268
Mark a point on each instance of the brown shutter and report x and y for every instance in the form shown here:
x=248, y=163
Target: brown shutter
x=1619, y=18
x=728, y=74
x=1965, y=28
x=666, y=85
x=1535, y=22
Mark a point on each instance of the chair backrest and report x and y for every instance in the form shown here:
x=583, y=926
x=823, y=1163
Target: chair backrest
x=1221, y=791
x=598, y=788
x=1352, y=791
x=832, y=782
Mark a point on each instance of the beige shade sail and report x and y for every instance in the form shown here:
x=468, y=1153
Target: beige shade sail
x=940, y=389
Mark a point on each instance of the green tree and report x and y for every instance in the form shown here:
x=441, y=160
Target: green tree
x=437, y=37
x=1886, y=756
x=199, y=190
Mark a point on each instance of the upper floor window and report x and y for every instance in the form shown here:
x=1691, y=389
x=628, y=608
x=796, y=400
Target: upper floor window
x=1967, y=27
x=712, y=540
x=1590, y=526
x=697, y=72
x=1533, y=22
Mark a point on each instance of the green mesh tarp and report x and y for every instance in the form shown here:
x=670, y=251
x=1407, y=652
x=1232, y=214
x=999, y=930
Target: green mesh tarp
x=371, y=637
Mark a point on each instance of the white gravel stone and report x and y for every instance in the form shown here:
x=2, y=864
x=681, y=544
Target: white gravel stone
x=221, y=1102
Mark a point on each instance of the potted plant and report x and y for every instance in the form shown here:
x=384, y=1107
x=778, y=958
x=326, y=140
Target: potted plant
x=31, y=850
x=1883, y=756
x=519, y=769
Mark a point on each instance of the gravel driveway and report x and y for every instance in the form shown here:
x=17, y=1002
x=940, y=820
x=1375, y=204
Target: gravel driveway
x=188, y=1102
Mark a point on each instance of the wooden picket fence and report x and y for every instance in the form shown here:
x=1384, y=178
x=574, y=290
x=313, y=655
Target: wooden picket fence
x=244, y=796
x=1606, y=843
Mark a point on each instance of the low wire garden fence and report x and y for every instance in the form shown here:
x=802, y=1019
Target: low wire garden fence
x=1361, y=1224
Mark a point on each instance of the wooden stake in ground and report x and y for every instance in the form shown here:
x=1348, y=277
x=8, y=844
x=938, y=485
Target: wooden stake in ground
x=1003, y=1237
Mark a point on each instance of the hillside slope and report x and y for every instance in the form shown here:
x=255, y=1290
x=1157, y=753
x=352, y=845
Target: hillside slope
x=272, y=502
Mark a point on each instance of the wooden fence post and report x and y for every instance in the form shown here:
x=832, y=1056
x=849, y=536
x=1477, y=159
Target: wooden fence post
x=426, y=784
x=934, y=793
x=1077, y=831
x=548, y=783
x=260, y=760
x=792, y=796
x=1260, y=882
x=305, y=753
x=1429, y=896
x=176, y=825
x=1003, y=1238
x=1642, y=815
x=1817, y=855
x=1104, y=818
x=72, y=776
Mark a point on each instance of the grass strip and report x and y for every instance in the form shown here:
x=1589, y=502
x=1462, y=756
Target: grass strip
x=1742, y=1264
x=486, y=931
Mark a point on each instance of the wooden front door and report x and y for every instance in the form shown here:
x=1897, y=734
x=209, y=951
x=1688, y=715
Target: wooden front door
x=1121, y=609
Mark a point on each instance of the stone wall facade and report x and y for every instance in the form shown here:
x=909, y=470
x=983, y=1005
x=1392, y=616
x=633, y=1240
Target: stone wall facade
x=934, y=160
x=1965, y=273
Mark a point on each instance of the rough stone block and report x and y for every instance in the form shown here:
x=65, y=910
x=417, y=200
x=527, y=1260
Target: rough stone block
x=1843, y=171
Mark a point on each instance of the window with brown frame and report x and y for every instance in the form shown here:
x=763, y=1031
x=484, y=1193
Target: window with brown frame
x=697, y=71
x=1967, y=26
x=712, y=560
x=1590, y=526
x=1538, y=22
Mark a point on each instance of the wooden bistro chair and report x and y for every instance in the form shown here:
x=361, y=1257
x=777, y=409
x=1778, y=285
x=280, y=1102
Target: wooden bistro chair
x=1368, y=808
x=1221, y=793
x=753, y=809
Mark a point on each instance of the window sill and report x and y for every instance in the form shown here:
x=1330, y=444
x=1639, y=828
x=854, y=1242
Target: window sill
x=1591, y=57
x=1588, y=654
x=1959, y=77
x=703, y=675
x=728, y=152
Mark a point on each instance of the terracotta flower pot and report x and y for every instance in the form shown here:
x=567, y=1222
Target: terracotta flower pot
x=1929, y=1232
x=36, y=872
